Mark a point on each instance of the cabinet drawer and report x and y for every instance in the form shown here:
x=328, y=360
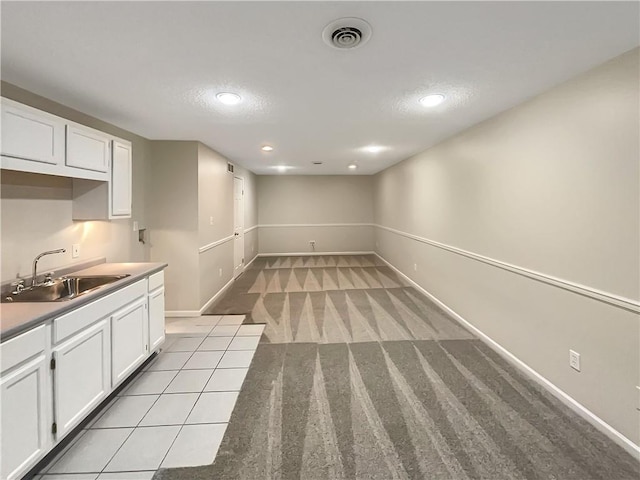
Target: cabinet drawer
x=84, y=316
x=156, y=281
x=23, y=347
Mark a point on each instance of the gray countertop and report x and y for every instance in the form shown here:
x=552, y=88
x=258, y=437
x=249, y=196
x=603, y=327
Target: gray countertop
x=16, y=318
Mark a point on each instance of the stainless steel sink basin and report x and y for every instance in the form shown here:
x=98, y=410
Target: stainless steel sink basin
x=64, y=288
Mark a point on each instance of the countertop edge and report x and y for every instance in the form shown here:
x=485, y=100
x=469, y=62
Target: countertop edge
x=65, y=307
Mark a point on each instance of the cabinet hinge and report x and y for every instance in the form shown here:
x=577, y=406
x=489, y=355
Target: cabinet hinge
x=52, y=364
x=54, y=428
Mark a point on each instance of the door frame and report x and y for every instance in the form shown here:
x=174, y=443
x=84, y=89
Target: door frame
x=238, y=230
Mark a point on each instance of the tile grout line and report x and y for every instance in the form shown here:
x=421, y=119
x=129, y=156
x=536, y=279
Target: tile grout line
x=200, y=395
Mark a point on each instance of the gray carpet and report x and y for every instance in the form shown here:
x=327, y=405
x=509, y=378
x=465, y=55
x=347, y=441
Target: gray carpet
x=334, y=300
x=433, y=404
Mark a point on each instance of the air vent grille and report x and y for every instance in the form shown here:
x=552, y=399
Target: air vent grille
x=230, y=167
x=347, y=33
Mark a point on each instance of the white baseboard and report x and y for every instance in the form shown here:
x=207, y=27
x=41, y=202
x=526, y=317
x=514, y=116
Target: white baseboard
x=218, y=294
x=197, y=313
x=310, y=254
x=252, y=260
x=565, y=398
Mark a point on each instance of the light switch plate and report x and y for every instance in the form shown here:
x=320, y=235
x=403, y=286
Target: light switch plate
x=574, y=360
x=75, y=250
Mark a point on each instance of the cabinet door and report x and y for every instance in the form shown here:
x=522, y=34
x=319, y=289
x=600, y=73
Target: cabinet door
x=87, y=148
x=32, y=135
x=156, y=318
x=24, y=434
x=120, y=188
x=81, y=375
x=129, y=339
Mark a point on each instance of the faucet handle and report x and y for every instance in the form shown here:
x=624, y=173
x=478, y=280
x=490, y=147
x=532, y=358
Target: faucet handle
x=19, y=284
x=48, y=278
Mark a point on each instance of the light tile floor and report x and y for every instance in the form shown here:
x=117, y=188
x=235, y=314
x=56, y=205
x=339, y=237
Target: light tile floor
x=174, y=414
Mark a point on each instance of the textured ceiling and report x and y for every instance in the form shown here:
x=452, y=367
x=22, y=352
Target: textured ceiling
x=152, y=67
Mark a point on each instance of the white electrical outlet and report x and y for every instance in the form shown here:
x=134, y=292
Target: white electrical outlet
x=136, y=227
x=312, y=243
x=415, y=267
x=220, y=272
x=638, y=389
x=75, y=250
x=210, y=220
x=574, y=360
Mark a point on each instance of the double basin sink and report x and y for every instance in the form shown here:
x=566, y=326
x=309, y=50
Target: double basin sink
x=61, y=289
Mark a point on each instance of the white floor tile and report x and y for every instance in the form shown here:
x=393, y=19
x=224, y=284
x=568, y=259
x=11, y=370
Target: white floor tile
x=189, y=381
x=69, y=476
x=215, y=343
x=183, y=327
x=251, y=330
x=226, y=380
x=170, y=409
x=102, y=411
x=211, y=320
x=148, y=475
x=206, y=360
x=232, y=320
x=213, y=407
x=143, y=450
x=185, y=344
x=150, y=383
x=244, y=343
x=236, y=359
x=224, y=331
x=169, y=361
x=195, y=445
x=62, y=452
x=126, y=412
x=92, y=452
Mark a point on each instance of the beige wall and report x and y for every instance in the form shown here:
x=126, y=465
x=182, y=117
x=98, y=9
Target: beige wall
x=189, y=184
x=36, y=209
x=294, y=209
x=173, y=220
x=215, y=194
x=551, y=186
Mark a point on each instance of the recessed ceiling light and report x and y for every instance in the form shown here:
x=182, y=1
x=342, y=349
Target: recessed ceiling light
x=353, y=166
x=432, y=100
x=267, y=148
x=229, y=98
x=373, y=148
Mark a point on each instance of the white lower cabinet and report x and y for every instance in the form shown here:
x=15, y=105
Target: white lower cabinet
x=81, y=378
x=25, y=401
x=156, y=318
x=54, y=375
x=129, y=339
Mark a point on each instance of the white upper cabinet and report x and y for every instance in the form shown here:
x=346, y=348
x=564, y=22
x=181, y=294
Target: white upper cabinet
x=120, y=185
x=31, y=135
x=87, y=148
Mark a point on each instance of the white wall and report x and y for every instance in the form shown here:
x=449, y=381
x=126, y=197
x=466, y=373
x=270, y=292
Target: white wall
x=335, y=211
x=551, y=186
x=36, y=209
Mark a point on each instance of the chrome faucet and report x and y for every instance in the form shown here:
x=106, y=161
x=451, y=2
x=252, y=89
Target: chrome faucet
x=34, y=275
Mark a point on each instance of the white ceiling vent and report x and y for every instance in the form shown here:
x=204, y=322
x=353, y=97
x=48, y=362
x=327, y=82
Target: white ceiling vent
x=230, y=168
x=347, y=33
